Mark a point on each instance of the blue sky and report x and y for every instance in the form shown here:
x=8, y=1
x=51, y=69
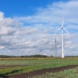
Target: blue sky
x=13, y=8
x=28, y=27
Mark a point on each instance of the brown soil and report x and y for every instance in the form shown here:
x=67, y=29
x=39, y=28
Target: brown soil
x=9, y=66
x=40, y=72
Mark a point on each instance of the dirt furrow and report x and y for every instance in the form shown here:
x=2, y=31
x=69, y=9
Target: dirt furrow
x=40, y=72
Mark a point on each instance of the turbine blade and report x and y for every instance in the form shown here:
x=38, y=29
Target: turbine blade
x=66, y=30
x=62, y=22
x=63, y=19
x=58, y=29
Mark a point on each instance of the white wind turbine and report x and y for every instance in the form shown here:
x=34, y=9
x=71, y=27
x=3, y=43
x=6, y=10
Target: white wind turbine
x=62, y=28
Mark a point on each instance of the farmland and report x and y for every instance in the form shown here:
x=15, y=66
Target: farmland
x=14, y=66
x=69, y=73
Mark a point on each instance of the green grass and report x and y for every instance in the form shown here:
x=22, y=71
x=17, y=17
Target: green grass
x=69, y=73
x=34, y=64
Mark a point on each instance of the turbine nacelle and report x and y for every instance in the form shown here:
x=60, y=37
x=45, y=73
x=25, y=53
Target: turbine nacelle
x=62, y=28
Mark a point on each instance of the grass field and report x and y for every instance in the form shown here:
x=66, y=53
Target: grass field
x=10, y=66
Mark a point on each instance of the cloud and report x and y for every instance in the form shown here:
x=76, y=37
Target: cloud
x=1, y=16
x=1, y=47
x=35, y=34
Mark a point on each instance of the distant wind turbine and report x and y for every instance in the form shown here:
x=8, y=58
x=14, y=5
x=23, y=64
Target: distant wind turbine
x=62, y=28
x=55, y=47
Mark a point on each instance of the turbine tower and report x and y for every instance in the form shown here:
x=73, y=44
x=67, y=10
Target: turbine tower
x=62, y=28
x=62, y=40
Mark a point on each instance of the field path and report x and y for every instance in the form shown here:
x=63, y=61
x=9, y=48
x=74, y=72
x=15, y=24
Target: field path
x=40, y=72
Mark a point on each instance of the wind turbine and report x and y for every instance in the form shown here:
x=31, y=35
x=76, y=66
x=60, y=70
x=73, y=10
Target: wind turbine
x=55, y=47
x=62, y=28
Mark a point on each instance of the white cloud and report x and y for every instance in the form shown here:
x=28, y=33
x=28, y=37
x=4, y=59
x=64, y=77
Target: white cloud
x=1, y=16
x=1, y=47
